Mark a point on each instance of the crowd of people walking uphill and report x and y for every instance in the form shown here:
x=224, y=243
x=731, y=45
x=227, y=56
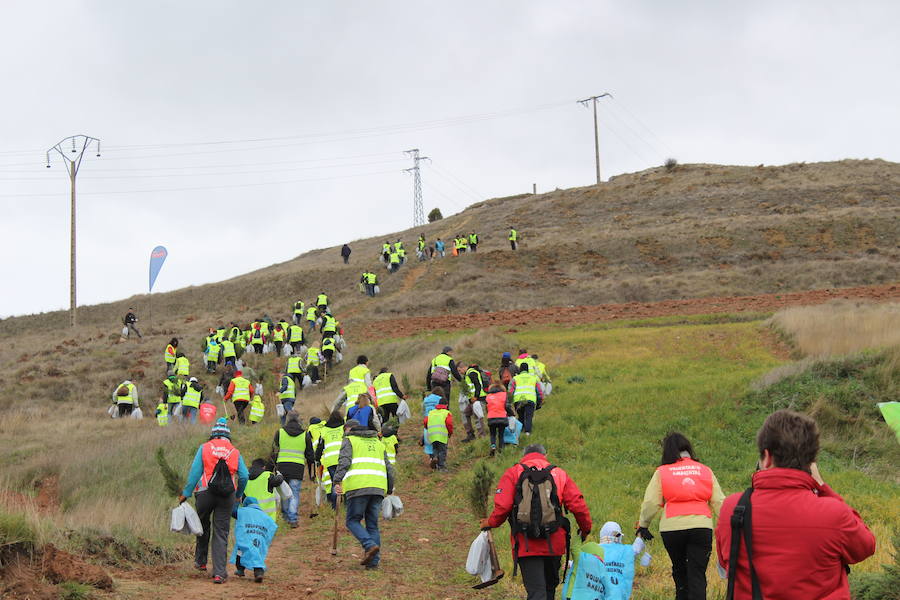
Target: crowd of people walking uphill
x=348, y=457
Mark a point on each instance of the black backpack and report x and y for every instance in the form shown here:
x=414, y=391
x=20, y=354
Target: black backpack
x=485, y=380
x=221, y=482
x=537, y=511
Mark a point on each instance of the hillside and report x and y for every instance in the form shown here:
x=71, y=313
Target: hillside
x=697, y=231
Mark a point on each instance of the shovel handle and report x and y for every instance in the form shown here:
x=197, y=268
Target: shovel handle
x=334, y=533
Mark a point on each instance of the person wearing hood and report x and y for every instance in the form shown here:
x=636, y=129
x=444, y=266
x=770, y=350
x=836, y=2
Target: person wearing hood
x=439, y=427
x=429, y=403
x=190, y=403
x=364, y=475
x=391, y=442
x=606, y=567
x=328, y=449
x=214, y=509
x=363, y=412
x=293, y=449
x=262, y=485
x=253, y=533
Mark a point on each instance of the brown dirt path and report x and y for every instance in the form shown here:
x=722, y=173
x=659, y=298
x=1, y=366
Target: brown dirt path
x=574, y=315
x=423, y=555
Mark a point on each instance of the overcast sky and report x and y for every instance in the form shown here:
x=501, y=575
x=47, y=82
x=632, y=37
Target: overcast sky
x=335, y=91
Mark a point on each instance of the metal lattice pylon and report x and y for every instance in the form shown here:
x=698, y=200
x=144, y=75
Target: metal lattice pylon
x=418, y=204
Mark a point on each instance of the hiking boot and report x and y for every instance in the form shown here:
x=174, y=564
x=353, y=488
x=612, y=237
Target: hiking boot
x=239, y=571
x=219, y=579
x=370, y=555
x=258, y=575
x=294, y=525
x=493, y=450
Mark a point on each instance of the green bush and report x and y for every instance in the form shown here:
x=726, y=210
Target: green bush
x=879, y=586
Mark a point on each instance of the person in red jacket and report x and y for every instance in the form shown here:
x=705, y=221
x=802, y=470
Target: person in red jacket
x=803, y=533
x=538, y=558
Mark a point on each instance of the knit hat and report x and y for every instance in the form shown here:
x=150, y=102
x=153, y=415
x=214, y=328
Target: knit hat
x=220, y=429
x=611, y=533
x=507, y=355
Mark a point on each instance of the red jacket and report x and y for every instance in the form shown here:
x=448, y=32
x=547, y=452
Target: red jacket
x=801, y=541
x=569, y=495
x=448, y=422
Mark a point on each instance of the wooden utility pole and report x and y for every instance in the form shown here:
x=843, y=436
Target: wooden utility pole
x=79, y=144
x=593, y=99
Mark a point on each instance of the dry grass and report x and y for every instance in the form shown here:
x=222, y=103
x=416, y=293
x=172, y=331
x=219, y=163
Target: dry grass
x=840, y=327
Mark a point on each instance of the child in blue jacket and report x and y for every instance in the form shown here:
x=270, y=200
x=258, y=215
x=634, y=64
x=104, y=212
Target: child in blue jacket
x=252, y=535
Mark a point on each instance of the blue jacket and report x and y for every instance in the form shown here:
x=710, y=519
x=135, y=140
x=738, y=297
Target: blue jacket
x=363, y=415
x=253, y=533
x=196, y=473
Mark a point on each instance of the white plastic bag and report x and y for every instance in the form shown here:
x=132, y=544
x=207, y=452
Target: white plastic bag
x=511, y=423
x=284, y=490
x=185, y=520
x=249, y=349
x=547, y=388
x=396, y=504
x=279, y=409
x=125, y=331
x=302, y=350
x=113, y=411
x=137, y=413
x=403, y=412
x=338, y=357
x=387, y=509
x=478, y=409
x=287, y=350
x=307, y=381
x=377, y=290
x=177, y=411
x=220, y=390
x=259, y=389
x=463, y=401
x=478, y=562
x=318, y=495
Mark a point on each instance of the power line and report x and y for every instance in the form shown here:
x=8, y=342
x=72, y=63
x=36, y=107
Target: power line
x=641, y=123
x=418, y=207
x=459, y=182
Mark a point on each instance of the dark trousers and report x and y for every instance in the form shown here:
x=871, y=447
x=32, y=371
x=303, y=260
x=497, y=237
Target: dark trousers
x=278, y=347
x=131, y=328
x=689, y=550
x=346, y=259
x=258, y=348
x=125, y=409
x=387, y=411
x=497, y=433
x=313, y=372
x=370, y=289
x=540, y=575
x=440, y=453
x=512, y=244
x=525, y=412
x=217, y=510
x=332, y=497
x=239, y=407
x=474, y=247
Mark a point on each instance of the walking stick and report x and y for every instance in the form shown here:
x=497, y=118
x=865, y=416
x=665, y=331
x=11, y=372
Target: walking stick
x=334, y=533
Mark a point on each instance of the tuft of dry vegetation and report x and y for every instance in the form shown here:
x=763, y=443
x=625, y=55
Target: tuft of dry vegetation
x=839, y=327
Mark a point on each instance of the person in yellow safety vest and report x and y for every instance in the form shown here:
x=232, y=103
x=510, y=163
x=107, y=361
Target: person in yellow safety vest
x=190, y=403
x=220, y=333
x=386, y=249
x=513, y=237
x=329, y=325
x=257, y=409
x=229, y=353
x=170, y=356
x=540, y=370
x=125, y=398
x=370, y=281
x=463, y=242
x=475, y=392
x=262, y=485
x=295, y=338
x=524, y=357
x=287, y=393
x=364, y=475
x=328, y=449
x=182, y=366
x=350, y=393
x=294, y=369
x=401, y=252
x=391, y=441
x=322, y=301
x=394, y=261
x=162, y=414
x=473, y=241
x=361, y=372
x=257, y=339
x=328, y=350
x=234, y=334
x=239, y=390
x=387, y=394
x=527, y=397
x=441, y=369
x=293, y=449
x=278, y=338
x=298, y=312
x=213, y=352
x=313, y=360
x=420, y=245
x=173, y=390
x=438, y=428
x=312, y=313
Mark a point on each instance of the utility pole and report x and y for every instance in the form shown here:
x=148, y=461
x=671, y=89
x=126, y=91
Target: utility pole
x=72, y=159
x=418, y=206
x=584, y=102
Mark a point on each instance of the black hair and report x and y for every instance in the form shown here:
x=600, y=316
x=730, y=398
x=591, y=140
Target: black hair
x=362, y=359
x=673, y=445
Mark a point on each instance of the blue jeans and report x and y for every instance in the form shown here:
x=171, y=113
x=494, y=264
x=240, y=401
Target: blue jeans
x=288, y=404
x=289, y=509
x=188, y=413
x=368, y=508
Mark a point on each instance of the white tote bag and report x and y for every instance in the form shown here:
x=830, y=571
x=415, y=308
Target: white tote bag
x=478, y=409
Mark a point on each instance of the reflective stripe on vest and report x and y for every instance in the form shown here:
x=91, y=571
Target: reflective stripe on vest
x=291, y=449
x=290, y=392
x=437, y=425
x=228, y=349
x=172, y=389
x=321, y=300
x=312, y=356
x=311, y=313
x=162, y=416
x=525, y=388
x=367, y=469
x=354, y=389
x=259, y=488
x=182, y=366
x=129, y=399
x=390, y=446
x=191, y=397
x=170, y=354
x=293, y=365
x=383, y=390
x=296, y=334
x=212, y=352
x=328, y=344
x=241, y=389
x=686, y=487
x=330, y=324
x=278, y=335
x=257, y=410
x=471, y=385
x=358, y=373
x=332, y=436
